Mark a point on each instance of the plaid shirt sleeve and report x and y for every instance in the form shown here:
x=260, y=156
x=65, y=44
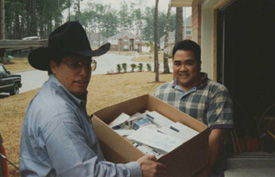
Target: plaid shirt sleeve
x=219, y=113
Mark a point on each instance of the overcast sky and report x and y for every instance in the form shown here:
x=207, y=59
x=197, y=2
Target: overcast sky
x=148, y=3
x=163, y=4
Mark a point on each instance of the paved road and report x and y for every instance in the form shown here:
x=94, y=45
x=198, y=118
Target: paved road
x=32, y=79
x=107, y=63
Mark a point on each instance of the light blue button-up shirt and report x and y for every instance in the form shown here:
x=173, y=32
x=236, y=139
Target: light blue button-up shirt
x=58, y=138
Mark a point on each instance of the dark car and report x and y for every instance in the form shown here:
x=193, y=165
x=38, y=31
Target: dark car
x=9, y=82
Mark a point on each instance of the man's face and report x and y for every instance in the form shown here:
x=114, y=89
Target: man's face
x=186, y=69
x=74, y=73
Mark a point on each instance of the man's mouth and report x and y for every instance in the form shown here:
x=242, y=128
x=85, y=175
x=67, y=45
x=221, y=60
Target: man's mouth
x=81, y=82
x=182, y=75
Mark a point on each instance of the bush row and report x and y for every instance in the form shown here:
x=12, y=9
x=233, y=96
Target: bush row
x=124, y=66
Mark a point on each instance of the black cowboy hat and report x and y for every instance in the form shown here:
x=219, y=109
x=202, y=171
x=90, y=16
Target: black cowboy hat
x=71, y=39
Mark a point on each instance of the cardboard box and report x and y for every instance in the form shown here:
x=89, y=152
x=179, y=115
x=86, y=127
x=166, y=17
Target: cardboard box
x=185, y=160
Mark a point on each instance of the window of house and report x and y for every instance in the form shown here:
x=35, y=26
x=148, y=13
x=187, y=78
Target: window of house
x=125, y=40
x=126, y=47
x=188, y=30
x=137, y=40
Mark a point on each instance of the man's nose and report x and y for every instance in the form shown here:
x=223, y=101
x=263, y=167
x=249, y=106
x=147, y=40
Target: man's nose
x=85, y=70
x=183, y=67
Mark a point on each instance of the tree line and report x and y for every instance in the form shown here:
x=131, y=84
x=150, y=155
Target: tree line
x=40, y=17
x=23, y=18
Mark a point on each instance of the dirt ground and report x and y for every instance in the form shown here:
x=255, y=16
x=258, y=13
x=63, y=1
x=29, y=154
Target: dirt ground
x=104, y=90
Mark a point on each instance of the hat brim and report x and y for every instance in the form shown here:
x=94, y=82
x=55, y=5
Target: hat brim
x=39, y=58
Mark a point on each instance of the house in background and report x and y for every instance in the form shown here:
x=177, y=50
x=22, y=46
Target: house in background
x=96, y=39
x=171, y=36
x=188, y=28
x=125, y=41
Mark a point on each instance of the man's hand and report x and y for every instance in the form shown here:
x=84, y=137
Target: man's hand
x=151, y=168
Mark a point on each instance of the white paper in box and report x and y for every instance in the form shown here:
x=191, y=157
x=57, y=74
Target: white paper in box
x=186, y=160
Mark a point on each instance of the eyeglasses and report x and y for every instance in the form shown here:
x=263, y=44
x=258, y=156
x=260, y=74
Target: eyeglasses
x=77, y=66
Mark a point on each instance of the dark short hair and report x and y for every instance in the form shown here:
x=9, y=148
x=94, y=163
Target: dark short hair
x=57, y=59
x=188, y=45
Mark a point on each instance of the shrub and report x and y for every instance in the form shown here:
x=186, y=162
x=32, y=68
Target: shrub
x=149, y=68
x=118, y=67
x=124, y=66
x=133, y=66
x=140, y=67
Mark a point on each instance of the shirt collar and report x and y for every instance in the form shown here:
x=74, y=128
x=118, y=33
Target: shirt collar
x=204, y=80
x=68, y=94
x=199, y=86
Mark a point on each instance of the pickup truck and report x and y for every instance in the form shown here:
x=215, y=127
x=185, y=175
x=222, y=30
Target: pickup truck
x=9, y=82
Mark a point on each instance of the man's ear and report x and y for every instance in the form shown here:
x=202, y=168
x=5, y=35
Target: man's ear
x=53, y=66
x=200, y=64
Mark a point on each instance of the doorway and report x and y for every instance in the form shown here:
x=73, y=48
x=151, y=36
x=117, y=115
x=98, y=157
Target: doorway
x=246, y=59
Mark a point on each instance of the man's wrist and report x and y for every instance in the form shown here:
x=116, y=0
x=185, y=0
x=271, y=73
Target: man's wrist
x=135, y=169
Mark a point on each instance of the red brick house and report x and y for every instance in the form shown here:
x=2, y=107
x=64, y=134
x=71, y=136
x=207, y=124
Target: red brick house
x=125, y=41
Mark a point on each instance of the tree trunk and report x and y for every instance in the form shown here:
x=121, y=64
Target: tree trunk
x=17, y=31
x=31, y=18
x=165, y=55
x=57, y=19
x=69, y=10
x=27, y=17
x=2, y=20
x=22, y=24
x=156, y=42
x=49, y=27
x=179, y=24
x=78, y=14
x=41, y=12
x=42, y=29
x=2, y=29
x=33, y=29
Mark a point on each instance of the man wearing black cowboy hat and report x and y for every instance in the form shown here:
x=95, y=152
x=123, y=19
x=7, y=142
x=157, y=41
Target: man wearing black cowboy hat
x=57, y=135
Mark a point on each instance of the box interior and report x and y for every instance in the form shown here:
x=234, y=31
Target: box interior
x=185, y=160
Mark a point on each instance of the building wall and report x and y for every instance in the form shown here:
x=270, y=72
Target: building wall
x=187, y=35
x=196, y=21
x=204, y=25
x=207, y=41
x=124, y=44
x=138, y=44
x=114, y=47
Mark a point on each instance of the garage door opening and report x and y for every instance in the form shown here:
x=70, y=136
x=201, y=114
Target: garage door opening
x=246, y=61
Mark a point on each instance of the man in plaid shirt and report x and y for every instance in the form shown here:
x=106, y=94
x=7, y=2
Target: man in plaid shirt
x=204, y=99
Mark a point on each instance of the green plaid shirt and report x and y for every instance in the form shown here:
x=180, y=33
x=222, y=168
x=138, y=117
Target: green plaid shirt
x=209, y=102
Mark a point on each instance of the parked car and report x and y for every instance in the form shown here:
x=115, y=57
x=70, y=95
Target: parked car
x=31, y=38
x=9, y=82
